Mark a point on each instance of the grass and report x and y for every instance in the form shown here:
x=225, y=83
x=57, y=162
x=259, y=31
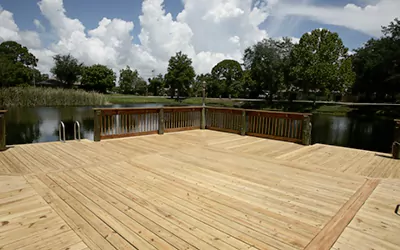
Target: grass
x=195, y=101
x=35, y=96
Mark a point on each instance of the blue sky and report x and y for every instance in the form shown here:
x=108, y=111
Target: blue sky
x=207, y=30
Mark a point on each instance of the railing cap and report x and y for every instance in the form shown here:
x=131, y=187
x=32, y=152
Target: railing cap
x=3, y=111
x=264, y=111
x=149, y=108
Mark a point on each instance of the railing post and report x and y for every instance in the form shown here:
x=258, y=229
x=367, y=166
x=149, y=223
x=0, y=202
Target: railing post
x=243, y=126
x=97, y=125
x=3, y=130
x=161, y=122
x=306, y=136
x=396, y=142
x=203, y=118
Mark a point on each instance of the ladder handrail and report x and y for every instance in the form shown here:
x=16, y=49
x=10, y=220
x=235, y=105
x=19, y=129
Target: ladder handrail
x=61, y=126
x=77, y=125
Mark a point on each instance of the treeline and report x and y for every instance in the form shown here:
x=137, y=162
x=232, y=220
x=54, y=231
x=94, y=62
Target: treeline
x=319, y=66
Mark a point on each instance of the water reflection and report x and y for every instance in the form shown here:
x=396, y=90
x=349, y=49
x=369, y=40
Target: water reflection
x=31, y=125
x=355, y=132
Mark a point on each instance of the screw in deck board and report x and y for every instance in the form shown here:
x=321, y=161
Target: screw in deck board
x=161, y=122
x=243, y=123
x=97, y=125
x=3, y=129
x=306, y=136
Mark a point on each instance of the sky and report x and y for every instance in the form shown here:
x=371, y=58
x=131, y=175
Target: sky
x=144, y=34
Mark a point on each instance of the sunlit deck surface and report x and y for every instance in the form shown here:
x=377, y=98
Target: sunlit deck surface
x=197, y=189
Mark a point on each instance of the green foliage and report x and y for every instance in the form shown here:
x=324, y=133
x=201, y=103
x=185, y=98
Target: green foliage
x=126, y=80
x=180, y=75
x=16, y=64
x=67, y=69
x=320, y=63
x=157, y=85
x=197, y=88
x=213, y=88
x=268, y=61
x=140, y=86
x=98, y=78
x=34, y=96
x=377, y=65
x=131, y=83
x=16, y=53
x=228, y=74
x=249, y=86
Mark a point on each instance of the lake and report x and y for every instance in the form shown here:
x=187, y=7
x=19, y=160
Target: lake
x=40, y=124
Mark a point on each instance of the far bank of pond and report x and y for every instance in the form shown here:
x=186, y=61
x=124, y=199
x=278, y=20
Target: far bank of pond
x=40, y=124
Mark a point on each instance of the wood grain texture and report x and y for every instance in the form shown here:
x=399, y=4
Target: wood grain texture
x=375, y=226
x=334, y=228
x=197, y=189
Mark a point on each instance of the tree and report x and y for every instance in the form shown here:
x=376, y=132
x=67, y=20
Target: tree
x=377, y=65
x=126, y=80
x=67, y=69
x=140, y=86
x=16, y=53
x=200, y=81
x=16, y=64
x=156, y=86
x=180, y=75
x=267, y=62
x=249, y=86
x=98, y=78
x=229, y=74
x=320, y=63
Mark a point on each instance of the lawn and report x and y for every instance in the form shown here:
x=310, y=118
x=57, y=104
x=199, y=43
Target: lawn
x=131, y=99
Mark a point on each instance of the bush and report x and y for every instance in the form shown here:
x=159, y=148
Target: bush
x=38, y=96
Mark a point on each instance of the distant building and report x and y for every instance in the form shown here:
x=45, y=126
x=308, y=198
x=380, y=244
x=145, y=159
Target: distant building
x=50, y=83
x=54, y=83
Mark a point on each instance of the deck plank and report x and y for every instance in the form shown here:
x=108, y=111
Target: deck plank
x=27, y=221
x=197, y=189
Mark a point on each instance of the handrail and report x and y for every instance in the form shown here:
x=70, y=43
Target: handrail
x=77, y=125
x=61, y=126
x=124, y=122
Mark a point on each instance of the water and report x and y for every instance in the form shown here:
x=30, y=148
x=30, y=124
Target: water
x=354, y=132
x=40, y=124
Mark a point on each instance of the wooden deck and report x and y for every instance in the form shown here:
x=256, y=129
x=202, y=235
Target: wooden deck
x=197, y=189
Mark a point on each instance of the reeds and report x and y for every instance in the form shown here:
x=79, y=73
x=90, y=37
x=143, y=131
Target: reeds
x=38, y=96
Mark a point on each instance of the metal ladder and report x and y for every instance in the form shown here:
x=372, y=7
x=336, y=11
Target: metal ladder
x=61, y=131
x=77, y=128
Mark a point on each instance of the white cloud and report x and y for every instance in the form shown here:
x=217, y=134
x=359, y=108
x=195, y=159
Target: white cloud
x=39, y=25
x=207, y=30
x=368, y=19
x=10, y=31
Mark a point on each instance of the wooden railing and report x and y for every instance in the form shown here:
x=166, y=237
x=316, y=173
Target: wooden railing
x=3, y=129
x=125, y=122
x=185, y=118
x=225, y=119
x=275, y=125
x=293, y=127
x=117, y=123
